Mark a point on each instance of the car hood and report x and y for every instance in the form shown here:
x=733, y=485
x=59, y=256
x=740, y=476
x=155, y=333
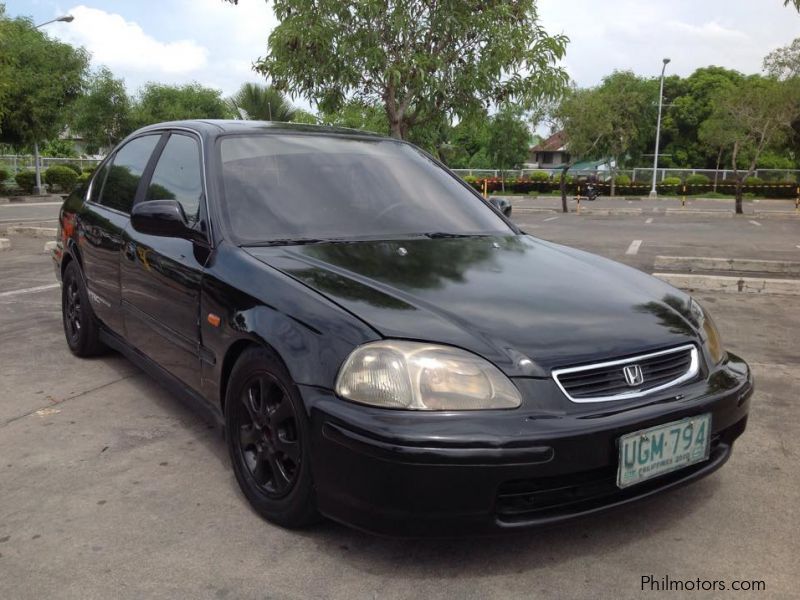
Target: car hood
x=527, y=305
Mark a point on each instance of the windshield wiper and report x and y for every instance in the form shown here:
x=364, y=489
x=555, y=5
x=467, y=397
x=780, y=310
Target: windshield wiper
x=289, y=242
x=443, y=234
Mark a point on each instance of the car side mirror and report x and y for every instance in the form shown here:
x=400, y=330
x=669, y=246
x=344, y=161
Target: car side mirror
x=161, y=217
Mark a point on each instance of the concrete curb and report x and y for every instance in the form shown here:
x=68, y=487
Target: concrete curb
x=774, y=214
x=534, y=210
x=694, y=264
x=49, y=247
x=723, y=283
x=5, y=244
x=703, y=213
x=32, y=231
x=611, y=211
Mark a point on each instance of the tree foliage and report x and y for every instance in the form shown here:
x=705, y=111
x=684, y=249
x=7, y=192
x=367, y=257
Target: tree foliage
x=748, y=119
x=41, y=78
x=784, y=63
x=158, y=102
x=420, y=59
x=102, y=115
x=261, y=103
x=509, y=139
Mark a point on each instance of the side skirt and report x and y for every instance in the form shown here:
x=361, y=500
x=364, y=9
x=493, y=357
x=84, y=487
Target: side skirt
x=190, y=398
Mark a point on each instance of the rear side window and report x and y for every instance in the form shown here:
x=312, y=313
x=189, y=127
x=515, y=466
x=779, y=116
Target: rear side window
x=177, y=175
x=126, y=171
x=97, y=183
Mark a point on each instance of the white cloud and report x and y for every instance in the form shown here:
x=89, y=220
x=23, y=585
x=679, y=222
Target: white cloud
x=124, y=46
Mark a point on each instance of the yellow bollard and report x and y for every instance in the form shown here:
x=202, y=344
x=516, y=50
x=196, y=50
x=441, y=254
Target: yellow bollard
x=578, y=199
x=683, y=196
x=578, y=210
x=485, y=188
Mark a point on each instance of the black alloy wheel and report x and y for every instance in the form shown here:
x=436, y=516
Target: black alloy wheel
x=266, y=429
x=267, y=435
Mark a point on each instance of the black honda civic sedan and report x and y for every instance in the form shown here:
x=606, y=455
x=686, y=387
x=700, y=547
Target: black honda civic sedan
x=380, y=344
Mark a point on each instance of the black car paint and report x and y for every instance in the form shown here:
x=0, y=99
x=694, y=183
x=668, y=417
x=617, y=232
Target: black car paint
x=526, y=305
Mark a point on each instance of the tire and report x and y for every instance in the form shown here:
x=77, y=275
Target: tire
x=80, y=324
x=267, y=432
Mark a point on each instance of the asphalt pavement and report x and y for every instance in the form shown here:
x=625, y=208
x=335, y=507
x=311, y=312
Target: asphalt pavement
x=112, y=488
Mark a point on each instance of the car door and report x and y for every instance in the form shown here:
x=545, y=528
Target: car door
x=102, y=221
x=161, y=275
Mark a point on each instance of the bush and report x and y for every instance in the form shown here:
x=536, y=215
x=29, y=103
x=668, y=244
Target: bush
x=754, y=181
x=84, y=177
x=697, y=179
x=540, y=176
x=25, y=181
x=89, y=170
x=72, y=166
x=64, y=177
x=4, y=174
x=470, y=178
x=671, y=181
x=622, y=180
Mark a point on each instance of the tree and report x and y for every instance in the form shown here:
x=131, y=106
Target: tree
x=41, y=79
x=583, y=116
x=102, y=115
x=357, y=114
x=784, y=63
x=795, y=3
x=420, y=59
x=159, y=102
x=261, y=103
x=509, y=140
x=468, y=142
x=748, y=119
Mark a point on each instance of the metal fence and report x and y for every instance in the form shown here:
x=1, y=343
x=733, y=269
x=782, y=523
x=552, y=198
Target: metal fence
x=18, y=162
x=639, y=174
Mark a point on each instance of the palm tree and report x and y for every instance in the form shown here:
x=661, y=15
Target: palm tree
x=261, y=103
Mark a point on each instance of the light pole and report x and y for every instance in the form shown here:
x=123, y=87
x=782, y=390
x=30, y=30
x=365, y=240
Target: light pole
x=37, y=188
x=653, y=192
x=62, y=19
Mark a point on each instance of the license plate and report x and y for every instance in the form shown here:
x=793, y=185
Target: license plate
x=652, y=452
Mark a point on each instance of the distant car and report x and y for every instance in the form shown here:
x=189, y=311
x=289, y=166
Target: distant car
x=501, y=204
x=381, y=346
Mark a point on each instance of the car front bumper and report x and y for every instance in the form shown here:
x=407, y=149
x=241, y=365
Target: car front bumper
x=418, y=474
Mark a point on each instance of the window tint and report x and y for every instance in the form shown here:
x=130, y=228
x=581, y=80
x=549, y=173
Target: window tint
x=317, y=186
x=126, y=171
x=177, y=175
x=97, y=183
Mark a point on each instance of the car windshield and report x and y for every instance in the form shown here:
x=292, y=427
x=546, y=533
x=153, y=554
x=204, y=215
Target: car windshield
x=306, y=188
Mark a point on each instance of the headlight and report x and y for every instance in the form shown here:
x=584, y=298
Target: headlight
x=418, y=376
x=711, y=336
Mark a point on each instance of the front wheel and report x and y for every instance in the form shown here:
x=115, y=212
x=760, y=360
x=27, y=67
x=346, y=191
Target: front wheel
x=267, y=434
x=80, y=324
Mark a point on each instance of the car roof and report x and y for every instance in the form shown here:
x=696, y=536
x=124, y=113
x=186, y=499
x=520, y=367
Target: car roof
x=215, y=127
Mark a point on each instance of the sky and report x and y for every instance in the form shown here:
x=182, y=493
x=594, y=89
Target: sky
x=215, y=43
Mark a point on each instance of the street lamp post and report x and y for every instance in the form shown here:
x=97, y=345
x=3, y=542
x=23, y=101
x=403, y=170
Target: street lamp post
x=653, y=192
x=37, y=188
x=61, y=19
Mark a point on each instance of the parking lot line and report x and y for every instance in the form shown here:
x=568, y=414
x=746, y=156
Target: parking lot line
x=550, y=219
x=755, y=223
x=650, y=220
x=634, y=247
x=26, y=204
x=30, y=290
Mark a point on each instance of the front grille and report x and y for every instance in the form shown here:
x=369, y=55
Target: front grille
x=649, y=373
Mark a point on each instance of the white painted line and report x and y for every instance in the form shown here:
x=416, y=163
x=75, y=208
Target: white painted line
x=650, y=220
x=634, y=247
x=23, y=204
x=550, y=219
x=755, y=223
x=31, y=290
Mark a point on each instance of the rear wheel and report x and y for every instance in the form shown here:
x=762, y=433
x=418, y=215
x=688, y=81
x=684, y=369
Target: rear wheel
x=80, y=324
x=267, y=434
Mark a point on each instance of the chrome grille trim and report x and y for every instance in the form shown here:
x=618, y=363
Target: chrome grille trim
x=691, y=372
